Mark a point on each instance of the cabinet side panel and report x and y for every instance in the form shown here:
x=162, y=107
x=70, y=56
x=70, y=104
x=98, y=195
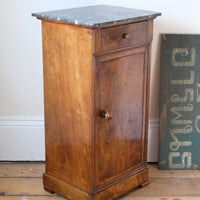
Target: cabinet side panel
x=67, y=57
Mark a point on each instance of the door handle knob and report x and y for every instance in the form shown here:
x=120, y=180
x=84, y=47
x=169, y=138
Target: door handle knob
x=106, y=115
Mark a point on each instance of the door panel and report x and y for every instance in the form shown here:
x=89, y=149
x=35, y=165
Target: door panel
x=120, y=140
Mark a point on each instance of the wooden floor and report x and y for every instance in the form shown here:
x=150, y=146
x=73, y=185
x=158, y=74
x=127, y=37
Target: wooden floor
x=23, y=181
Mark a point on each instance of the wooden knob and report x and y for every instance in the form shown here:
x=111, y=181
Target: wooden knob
x=125, y=35
x=106, y=115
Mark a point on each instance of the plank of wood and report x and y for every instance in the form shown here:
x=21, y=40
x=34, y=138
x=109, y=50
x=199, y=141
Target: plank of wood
x=157, y=173
x=158, y=198
x=22, y=169
x=179, y=102
x=162, y=184
x=22, y=186
x=165, y=187
x=122, y=198
x=157, y=187
x=37, y=169
x=32, y=198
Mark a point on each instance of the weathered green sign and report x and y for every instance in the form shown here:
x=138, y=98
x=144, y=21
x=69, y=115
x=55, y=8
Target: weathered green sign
x=179, y=143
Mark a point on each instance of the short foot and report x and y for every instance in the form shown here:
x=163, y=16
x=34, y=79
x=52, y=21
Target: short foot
x=50, y=191
x=144, y=184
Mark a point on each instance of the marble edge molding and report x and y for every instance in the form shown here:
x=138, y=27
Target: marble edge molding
x=69, y=15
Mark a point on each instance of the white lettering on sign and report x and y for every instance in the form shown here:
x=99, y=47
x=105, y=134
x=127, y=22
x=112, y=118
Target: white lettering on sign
x=189, y=96
x=183, y=52
x=184, y=81
x=176, y=110
x=176, y=144
x=198, y=91
x=177, y=158
x=186, y=160
x=196, y=123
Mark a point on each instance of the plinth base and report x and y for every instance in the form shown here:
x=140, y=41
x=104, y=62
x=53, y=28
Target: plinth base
x=53, y=184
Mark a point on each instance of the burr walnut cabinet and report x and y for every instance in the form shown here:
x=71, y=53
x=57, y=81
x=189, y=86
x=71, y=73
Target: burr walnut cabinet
x=96, y=94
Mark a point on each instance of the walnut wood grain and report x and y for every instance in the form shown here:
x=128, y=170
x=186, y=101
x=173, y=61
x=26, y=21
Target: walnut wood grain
x=68, y=103
x=122, y=187
x=114, y=37
x=54, y=184
x=120, y=139
x=87, y=71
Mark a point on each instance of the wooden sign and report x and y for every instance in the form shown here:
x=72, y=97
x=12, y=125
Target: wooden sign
x=179, y=143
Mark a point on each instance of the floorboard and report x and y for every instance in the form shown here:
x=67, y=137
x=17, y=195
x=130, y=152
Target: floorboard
x=169, y=187
x=33, y=198
x=123, y=198
x=22, y=186
x=159, y=198
x=22, y=169
x=23, y=181
x=157, y=173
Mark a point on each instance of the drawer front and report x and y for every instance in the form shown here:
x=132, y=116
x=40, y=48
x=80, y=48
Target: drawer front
x=124, y=36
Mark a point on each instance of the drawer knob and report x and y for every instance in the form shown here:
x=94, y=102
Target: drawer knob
x=125, y=35
x=106, y=115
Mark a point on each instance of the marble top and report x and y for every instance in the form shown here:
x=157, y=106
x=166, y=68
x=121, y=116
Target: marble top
x=98, y=15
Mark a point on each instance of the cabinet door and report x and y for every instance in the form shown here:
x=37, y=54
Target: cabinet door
x=120, y=142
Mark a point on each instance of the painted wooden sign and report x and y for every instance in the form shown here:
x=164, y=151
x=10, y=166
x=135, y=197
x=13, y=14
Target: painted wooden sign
x=179, y=143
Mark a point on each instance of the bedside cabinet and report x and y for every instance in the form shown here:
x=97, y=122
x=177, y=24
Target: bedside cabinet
x=96, y=96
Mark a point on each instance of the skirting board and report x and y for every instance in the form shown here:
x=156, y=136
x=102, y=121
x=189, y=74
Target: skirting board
x=22, y=139
x=153, y=134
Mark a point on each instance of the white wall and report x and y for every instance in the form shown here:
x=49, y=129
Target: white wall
x=21, y=81
x=21, y=91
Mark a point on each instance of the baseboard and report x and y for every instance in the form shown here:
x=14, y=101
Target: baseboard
x=22, y=139
x=153, y=140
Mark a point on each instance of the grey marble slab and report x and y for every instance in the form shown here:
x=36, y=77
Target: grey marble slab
x=98, y=15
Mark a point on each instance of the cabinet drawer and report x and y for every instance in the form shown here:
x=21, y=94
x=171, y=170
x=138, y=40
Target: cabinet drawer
x=124, y=35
